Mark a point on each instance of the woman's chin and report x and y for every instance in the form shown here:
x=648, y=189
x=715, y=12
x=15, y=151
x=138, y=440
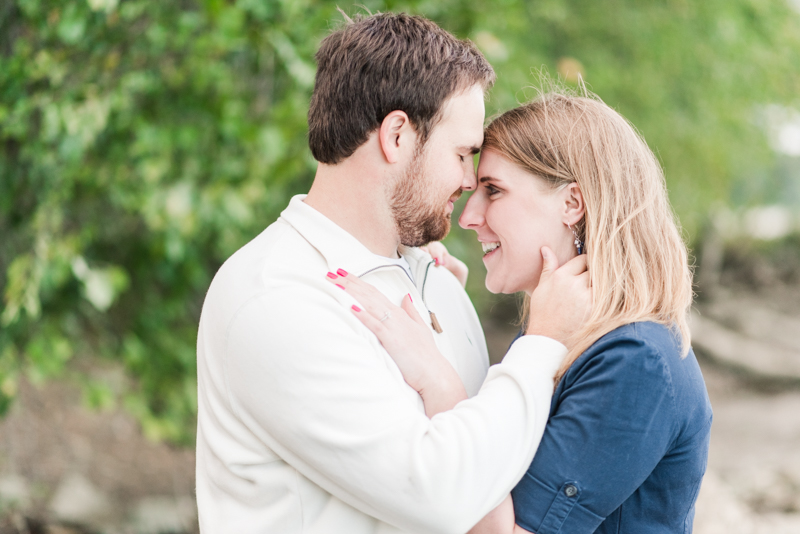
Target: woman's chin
x=491, y=285
x=509, y=287
x=498, y=287
x=491, y=289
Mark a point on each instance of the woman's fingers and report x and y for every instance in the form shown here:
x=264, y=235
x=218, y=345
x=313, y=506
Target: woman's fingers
x=370, y=299
x=408, y=307
x=369, y=321
x=437, y=251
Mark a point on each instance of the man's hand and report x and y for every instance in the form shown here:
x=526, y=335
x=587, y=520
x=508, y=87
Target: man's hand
x=562, y=301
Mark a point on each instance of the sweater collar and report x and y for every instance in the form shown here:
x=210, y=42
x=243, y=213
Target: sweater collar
x=340, y=248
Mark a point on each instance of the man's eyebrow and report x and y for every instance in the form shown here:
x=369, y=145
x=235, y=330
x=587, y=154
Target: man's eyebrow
x=471, y=149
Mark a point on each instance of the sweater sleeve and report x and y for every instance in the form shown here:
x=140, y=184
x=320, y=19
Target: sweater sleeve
x=314, y=384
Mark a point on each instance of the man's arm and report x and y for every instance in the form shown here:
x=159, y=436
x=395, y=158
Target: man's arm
x=314, y=384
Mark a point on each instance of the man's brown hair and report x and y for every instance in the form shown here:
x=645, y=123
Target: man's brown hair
x=381, y=63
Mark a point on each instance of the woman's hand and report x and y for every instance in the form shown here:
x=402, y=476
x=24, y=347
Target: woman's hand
x=444, y=259
x=409, y=341
x=498, y=521
x=501, y=520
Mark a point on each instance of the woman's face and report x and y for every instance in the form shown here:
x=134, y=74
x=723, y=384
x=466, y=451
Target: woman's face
x=515, y=214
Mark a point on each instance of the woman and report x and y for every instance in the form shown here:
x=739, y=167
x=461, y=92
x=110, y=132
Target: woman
x=626, y=444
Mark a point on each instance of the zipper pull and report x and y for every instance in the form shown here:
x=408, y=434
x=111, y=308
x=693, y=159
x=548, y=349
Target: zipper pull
x=435, y=324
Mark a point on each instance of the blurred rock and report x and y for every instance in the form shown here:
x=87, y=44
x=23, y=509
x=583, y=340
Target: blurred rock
x=719, y=511
x=61, y=529
x=162, y=515
x=78, y=501
x=772, y=355
x=14, y=491
x=754, y=318
x=769, y=222
x=777, y=524
x=755, y=448
x=50, y=434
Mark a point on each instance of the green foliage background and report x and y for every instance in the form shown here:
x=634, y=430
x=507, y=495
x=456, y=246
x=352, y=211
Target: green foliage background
x=143, y=141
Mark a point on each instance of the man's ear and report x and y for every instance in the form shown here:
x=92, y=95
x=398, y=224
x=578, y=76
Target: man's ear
x=397, y=136
x=574, y=207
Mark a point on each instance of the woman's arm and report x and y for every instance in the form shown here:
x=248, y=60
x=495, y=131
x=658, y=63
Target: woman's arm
x=442, y=389
x=559, y=305
x=498, y=521
x=409, y=341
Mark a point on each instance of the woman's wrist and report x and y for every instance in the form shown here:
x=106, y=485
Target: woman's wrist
x=441, y=388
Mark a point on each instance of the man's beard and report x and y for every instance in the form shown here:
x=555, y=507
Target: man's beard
x=418, y=216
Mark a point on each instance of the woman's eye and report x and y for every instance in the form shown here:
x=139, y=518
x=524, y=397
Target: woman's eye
x=491, y=190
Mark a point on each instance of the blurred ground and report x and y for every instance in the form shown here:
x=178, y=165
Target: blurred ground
x=64, y=469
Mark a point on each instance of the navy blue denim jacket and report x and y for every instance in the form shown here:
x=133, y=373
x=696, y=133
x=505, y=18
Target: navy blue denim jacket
x=626, y=445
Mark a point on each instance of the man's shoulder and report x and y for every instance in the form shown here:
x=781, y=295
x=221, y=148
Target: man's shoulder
x=278, y=248
x=274, y=264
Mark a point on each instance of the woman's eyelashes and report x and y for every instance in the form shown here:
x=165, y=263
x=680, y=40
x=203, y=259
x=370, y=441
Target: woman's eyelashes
x=491, y=190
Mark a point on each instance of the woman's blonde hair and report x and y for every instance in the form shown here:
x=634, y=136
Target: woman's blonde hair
x=638, y=263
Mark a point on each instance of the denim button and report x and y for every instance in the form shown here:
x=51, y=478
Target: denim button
x=570, y=490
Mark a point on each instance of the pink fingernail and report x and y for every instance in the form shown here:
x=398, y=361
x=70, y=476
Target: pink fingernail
x=332, y=276
x=409, y=297
x=356, y=308
x=341, y=272
x=340, y=286
x=436, y=261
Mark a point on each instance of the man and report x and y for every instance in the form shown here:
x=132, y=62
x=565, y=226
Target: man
x=305, y=423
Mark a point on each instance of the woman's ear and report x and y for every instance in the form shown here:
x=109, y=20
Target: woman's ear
x=396, y=136
x=574, y=207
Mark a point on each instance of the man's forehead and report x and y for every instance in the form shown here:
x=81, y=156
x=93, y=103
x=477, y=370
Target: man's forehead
x=470, y=99
x=463, y=114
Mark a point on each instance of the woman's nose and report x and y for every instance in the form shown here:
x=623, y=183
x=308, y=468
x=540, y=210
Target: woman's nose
x=472, y=217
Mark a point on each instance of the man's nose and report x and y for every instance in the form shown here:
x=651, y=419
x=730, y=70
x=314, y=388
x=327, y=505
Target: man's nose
x=470, y=181
x=472, y=216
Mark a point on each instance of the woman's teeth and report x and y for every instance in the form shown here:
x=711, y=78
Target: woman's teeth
x=488, y=247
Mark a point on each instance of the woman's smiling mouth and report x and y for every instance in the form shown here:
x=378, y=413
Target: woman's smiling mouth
x=488, y=248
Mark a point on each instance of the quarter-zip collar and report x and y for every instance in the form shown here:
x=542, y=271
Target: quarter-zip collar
x=341, y=249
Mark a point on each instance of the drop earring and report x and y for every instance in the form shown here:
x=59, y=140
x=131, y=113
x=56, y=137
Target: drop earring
x=578, y=243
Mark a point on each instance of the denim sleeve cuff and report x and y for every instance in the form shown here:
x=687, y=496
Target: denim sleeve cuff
x=564, y=512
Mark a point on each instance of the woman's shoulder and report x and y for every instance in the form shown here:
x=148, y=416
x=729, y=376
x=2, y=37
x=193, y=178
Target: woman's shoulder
x=641, y=361
x=644, y=336
x=645, y=349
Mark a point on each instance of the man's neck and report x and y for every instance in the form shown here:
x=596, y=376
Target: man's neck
x=353, y=198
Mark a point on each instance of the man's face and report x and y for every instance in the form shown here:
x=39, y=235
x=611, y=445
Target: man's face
x=423, y=196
